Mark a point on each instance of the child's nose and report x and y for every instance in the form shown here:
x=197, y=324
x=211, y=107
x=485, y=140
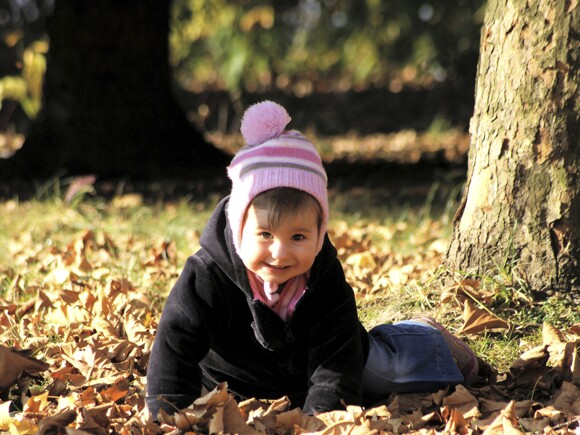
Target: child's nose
x=278, y=249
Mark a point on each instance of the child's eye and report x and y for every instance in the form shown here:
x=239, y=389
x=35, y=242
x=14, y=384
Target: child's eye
x=297, y=237
x=265, y=235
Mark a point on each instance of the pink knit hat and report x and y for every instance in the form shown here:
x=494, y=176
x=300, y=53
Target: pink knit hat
x=273, y=158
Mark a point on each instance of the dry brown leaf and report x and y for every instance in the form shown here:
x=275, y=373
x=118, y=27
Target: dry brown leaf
x=347, y=238
x=117, y=391
x=56, y=423
x=361, y=260
x=563, y=353
x=455, y=422
x=277, y=405
x=464, y=402
x=534, y=425
x=408, y=403
x=554, y=415
x=37, y=404
x=506, y=423
x=88, y=424
x=567, y=400
x=433, y=417
x=215, y=397
x=10, y=425
x=534, y=357
x=477, y=320
x=234, y=421
x=522, y=408
x=295, y=421
x=216, y=421
x=438, y=397
x=380, y=418
x=562, y=359
x=466, y=289
x=575, y=407
x=414, y=420
x=378, y=413
x=161, y=255
x=551, y=335
x=349, y=428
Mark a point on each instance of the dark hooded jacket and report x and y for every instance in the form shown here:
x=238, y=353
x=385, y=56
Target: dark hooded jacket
x=212, y=330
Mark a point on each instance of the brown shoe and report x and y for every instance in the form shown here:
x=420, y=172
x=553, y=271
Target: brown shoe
x=464, y=357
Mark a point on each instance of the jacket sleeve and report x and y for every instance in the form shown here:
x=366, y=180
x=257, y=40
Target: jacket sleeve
x=182, y=340
x=335, y=355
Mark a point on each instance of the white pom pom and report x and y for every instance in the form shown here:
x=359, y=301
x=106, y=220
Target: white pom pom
x=264, y=121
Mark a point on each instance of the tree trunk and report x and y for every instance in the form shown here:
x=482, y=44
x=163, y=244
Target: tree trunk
x=522, y=196
x=108, y=107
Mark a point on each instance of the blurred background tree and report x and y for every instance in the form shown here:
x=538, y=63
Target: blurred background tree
x=338, y=65
x=107, y=105
x=323, y=45
x=314, y=48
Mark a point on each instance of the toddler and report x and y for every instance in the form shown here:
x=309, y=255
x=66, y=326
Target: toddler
x=264, y=304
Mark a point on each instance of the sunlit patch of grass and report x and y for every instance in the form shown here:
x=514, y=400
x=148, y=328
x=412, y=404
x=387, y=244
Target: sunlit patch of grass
x=555, y=310
x=401, y=226
x=400, y=231
x=399, y=304
x=51, y=221
x=501, y=350
x=29, y=229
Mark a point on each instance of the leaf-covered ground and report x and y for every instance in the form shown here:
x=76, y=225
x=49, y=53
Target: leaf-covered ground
x=81, y=293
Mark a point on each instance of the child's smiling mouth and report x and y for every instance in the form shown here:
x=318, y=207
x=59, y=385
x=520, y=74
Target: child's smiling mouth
x=275, y=267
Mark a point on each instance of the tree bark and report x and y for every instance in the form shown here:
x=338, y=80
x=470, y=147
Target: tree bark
x=108, y=108
x=521, y=203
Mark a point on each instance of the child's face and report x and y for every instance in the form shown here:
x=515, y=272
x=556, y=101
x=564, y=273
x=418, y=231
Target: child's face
x=281, y=254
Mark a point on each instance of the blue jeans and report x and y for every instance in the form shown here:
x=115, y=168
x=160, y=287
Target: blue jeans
x=407, y=357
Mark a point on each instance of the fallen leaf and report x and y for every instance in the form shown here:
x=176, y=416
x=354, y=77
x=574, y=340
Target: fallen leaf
x=466, y=289
x=567, y=400
x=456, y=423
x=215, y=397
x=5, y=417
x=13, y=426
x=234, y=421
x=477, y=320
x=492, y=406
x=551, y=335
x=553, y=415
x=37, y=404
x=216, y=421
x=361, y=260
x=534, y=425
x=89, y=425
x=534, y=357
x=56, y=423
x=117, y=391
x=506, y=423
x=464, y=402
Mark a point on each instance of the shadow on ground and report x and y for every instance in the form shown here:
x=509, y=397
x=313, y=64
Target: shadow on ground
x=378, y=180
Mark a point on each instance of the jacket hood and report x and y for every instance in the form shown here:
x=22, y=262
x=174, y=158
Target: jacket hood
x=217, y=240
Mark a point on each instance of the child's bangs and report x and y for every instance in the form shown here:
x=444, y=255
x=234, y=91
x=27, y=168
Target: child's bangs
x=285, y=203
